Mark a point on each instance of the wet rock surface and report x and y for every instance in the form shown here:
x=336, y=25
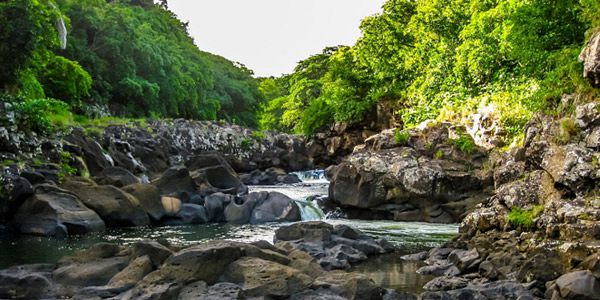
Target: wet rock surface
x=537, y=236
x=333, y=247
x=212, y=270
x=422, y=178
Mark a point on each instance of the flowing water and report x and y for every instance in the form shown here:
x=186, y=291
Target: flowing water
x=387, y=270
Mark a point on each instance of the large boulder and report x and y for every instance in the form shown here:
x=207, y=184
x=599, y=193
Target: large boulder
x=116, y=176
x=333, y=247
x=270, y=176
x=277, y=207
x=91, y=273
x=26, y=282
x=149, y=198
x=174, y=181
x=212, y=173
x=575, y=285
x=349, y=285
x=239, y=211
x=189, y=214
x=116, y=207
x=52, y=211
x=259, y=277
x=416, y=175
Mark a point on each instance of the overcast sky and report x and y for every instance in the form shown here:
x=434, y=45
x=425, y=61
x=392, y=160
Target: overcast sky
x=271, y=36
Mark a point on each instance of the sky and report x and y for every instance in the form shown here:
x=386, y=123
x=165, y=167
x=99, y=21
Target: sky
x=271, y=36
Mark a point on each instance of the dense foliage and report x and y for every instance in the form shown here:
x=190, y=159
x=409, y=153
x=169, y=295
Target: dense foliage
x=132, y=56
x=442, y=59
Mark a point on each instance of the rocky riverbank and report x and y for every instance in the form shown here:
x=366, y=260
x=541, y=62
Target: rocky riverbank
x=435, y=173
x=303, y=263
x=538, y=236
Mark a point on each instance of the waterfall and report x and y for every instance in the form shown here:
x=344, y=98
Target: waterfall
x=61, y=28
x=310, y=211
x=313, y=176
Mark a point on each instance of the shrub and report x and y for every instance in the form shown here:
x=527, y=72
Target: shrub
x=464, y=143
x=522, y=219
x=401, y=136
x=259, y=135
x=246, y=144
x=39, y=115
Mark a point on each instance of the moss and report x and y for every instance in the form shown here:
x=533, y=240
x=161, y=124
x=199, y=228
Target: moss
x=567, y=129
x=439, y=154
x=594, y=161
x=401, y=136
x=428, y=146
x=522, y=219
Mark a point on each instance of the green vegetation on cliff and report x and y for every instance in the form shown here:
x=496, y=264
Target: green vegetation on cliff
x=132, y=56
x=442, y=59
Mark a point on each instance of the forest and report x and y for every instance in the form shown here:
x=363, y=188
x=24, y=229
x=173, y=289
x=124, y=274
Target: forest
x=439, y=59
x=128, y=58
x=442, y=60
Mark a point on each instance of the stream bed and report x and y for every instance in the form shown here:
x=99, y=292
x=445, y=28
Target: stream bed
x=387, y=270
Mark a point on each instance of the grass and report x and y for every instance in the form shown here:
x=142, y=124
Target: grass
x=522, y=219
x=439, y=154
x=567, y=129
x=401, y=136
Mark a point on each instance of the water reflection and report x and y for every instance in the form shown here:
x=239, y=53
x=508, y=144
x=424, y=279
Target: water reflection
x=392, y=272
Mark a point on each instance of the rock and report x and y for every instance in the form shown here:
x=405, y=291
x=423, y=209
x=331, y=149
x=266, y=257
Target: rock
x=240, y=209
x=465, y=260
x=26, y=282
x=189, y=214
x=149, y=198
x=445, y=283
x=117, y=176
x=219, y=291
x=134, y=272
x=576, y=285
x=93, y=273
x=349, y=285
x=416, y=257
x=215, y=206
x=155, y=251
x=407, y=184
x=492, y=290
x=592, y=263
x=277, y=207
x=590, y=56
x=259, y=277
x=212, y=173
x=446, y=269
x=116, y=207
x=341, y=256
x=174, y=181
x=16, y=190
x=305, y=263
x=52, y=211
x=271, y=176
x=544, y=266
x=308, y=231
x=204, y=262
x=570, y=166
x=95, y=252
x=320, y=294
x=172, y=206
x=195, y=290
x=95, y=158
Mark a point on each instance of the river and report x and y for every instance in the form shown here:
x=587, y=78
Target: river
x=388, y=270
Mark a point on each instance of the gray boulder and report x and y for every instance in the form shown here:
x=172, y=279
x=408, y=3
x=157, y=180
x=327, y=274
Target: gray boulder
x=52, y=211
x=277, y=207
x=116, y=207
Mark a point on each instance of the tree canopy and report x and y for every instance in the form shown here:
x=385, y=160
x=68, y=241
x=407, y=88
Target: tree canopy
x=132, y=56
x=442, y=59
